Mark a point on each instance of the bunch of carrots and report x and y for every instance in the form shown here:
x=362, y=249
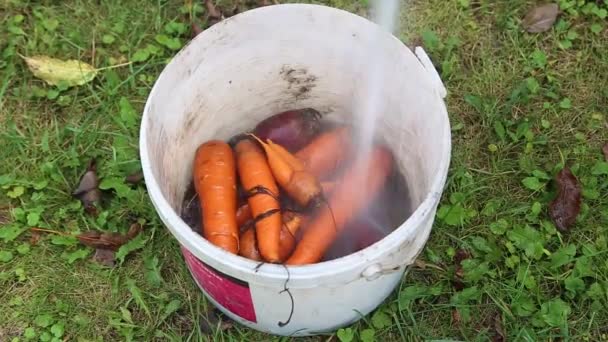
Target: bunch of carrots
x=291, y=211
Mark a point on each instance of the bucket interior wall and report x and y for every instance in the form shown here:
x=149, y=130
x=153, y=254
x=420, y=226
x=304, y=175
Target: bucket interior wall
x=249, y=70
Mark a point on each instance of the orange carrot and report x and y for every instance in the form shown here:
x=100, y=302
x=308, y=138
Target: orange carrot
x=291, y=224
x=257, y=180
x=298, y=165
x=358, y=187
x=328, y=187
x=326, y=152
x=214, y=175
x=291, y=160
x=289, y=173
x=249, y=245
x=243, y=214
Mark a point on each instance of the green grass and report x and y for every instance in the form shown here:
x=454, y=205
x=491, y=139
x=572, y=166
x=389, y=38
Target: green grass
x=521, y=105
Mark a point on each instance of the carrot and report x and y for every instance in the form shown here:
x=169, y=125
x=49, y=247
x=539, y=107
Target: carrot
x=249, y=245
x=289, y=173
x=214, y=175
x=297, y=164
x=291, y=224
x=291, y=160
x=358, y=187
x=243, y=214
x=328, y=187
x=263, y=192
x=326, y=152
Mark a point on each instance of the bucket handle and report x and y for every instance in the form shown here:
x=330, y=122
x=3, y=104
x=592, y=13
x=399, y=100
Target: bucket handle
x=375, y=270
x=431, y=71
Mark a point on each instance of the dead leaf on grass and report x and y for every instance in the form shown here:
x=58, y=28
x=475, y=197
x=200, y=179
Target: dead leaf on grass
x=135, y=178
x=108, y=240
x=498, y=332
x=268, y=2
x=34, y=238
x=456, y=316
x=105, y=257
x=541, y=18
x=605, y=150
x=214, y=15
x=213, y=321
x=457, y=282
x=107, y=243
x=89, y=180
x=56, y=71
x=4, y=215
x=196, y=30
x=566, y=206
x=87, y=190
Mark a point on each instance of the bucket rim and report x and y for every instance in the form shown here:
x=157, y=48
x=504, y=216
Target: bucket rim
x=243, y=267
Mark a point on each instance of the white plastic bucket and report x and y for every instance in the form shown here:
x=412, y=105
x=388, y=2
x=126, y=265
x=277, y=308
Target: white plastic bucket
x=265, y=61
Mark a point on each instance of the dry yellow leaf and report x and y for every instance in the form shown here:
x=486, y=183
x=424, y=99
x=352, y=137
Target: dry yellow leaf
x=55, y=71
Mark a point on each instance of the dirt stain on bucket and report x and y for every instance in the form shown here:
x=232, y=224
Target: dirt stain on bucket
x=300, y=81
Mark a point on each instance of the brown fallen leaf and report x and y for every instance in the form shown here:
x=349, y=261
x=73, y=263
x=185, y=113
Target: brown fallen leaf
x=135, y=178
x=108, y=240
x=5, y=215
x=34, y=238
x=106, y=244
x=87, y=190
x=214, y=15
x=105, y=257
x=214, y=320
x=457, y=282
x=605, y=150
x=196, y=30
x=89, y=180
x=456, y=317
x=267, y=2
x=237, y=8
x=541, y=18
x=497, y=329
x=566, y=206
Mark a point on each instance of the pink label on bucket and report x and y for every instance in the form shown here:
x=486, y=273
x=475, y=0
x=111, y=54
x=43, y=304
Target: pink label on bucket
x=233, y=294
